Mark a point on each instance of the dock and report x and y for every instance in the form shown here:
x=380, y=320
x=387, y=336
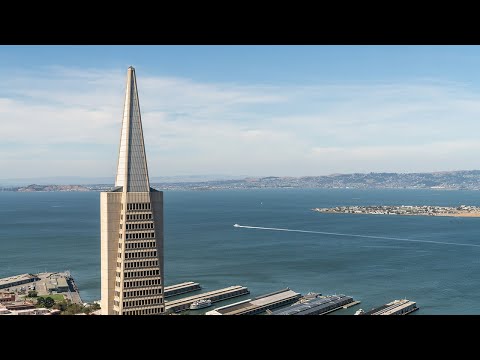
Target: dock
x=215, y=295
x=44, y=284
x=73, y=292
x=346, y=306
x=320, y=305
x=396, y=307
x=258, y=305
x=182, y=288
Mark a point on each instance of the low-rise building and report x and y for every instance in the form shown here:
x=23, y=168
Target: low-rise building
x=6, y=297
x=16, y=280
x=19, y=305
x=258, y=305
x=34, y=311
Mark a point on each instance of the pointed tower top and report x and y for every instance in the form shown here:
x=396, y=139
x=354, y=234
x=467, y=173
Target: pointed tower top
x=132, y=171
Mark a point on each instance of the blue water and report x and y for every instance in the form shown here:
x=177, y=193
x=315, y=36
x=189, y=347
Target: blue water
x=60, y=231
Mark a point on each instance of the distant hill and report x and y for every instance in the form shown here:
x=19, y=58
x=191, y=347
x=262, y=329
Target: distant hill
x=82, y=180
x=447, y=180
x=34, y=187
x=443, y=180
x=463, y=179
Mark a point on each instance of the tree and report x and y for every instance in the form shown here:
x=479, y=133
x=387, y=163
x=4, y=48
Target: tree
x=91, y=308
x=40, y=302
x=62, y=305
x=32, y=293
x=49, y=302
x=73, y=309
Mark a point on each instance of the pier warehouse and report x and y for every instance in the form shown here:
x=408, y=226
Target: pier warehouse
x=259, y=304
x=316, y=306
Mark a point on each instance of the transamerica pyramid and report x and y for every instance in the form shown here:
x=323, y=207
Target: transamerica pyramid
x=131, y=225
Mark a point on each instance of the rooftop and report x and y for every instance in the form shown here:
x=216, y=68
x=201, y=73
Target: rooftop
x=257, y=302
x=207, y=295
x=181, y=285
x=62, y=282
x=315, y=304
x=16, y=278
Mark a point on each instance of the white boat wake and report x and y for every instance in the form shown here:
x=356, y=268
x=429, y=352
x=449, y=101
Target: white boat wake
x=355, y=235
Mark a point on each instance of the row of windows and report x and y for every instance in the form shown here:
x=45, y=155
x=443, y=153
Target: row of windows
x=139, y=206
x=139, y=226
x=140, y=254
x=139, y=217
x=143, y=273
x=140, y=264
x=143, y=302
x=139, y=283
x=144, y=311
x=147, y=292
x=140, y=245
x=148, y=235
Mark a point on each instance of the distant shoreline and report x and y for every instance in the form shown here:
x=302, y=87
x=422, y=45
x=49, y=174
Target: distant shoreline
x=438, y=181
x=404, y=210
x=191, y=187
x=477, y=214
x=444, y=215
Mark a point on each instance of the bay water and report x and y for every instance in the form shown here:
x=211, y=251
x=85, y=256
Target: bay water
x=57, y=231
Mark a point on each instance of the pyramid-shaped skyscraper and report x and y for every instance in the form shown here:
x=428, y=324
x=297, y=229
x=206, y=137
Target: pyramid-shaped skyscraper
x=131, y=225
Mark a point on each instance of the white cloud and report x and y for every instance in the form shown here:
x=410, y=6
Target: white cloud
x=71, y=117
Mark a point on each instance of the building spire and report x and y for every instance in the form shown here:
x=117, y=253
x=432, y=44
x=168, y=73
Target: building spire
x=132, y=171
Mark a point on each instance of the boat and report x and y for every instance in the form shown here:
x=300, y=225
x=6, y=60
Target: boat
x=359, y=312
x=236, y=225
x=200, y=304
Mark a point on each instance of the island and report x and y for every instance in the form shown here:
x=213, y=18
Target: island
x=425, y=210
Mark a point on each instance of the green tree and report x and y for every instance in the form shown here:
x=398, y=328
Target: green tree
x=49, y=302
x=73, y=309
x=40, y=302
x=32, y=293
x=91, y=308
x=62, y=305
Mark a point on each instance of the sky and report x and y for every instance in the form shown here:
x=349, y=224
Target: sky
x=241, y=110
